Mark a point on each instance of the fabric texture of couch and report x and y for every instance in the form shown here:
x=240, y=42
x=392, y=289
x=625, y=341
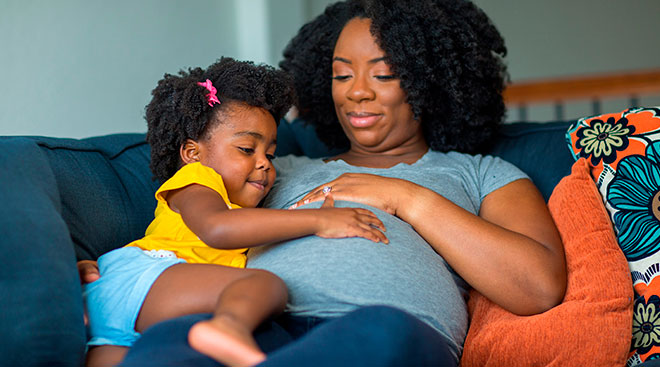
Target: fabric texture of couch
x=67, y=199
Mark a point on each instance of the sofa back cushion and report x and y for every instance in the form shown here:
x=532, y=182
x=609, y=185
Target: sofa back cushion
x=105, y=192
x=536, y=148
x=105, y=188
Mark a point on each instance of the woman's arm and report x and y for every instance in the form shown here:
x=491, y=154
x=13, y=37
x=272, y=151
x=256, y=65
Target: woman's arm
x=207, y=215
x=511, y=252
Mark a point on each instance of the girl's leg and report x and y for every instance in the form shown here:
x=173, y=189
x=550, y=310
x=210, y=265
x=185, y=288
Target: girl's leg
x=240, y=300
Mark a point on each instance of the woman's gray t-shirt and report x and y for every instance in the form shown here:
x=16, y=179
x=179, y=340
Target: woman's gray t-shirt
x=330, y=277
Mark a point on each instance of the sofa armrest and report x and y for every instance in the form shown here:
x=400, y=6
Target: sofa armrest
x=42, y=308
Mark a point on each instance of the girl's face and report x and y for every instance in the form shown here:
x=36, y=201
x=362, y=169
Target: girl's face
x=369, y=101
x=240, y=149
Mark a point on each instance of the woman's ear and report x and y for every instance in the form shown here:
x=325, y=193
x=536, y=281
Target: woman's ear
x=189, y=151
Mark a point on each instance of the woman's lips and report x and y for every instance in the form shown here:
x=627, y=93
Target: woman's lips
x=363, y=120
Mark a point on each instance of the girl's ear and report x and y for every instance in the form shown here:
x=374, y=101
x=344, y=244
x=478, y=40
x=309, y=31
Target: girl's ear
x=189, y=151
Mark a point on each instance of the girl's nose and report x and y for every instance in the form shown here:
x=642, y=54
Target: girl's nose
x=263, y=163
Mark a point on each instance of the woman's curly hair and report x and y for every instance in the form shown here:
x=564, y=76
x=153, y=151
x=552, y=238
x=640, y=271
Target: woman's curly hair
x=179, y=109
x=446, y=53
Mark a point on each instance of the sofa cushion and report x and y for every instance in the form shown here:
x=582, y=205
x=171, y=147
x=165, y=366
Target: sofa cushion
x=105, y=189
x=591, y=327
x=623, y=151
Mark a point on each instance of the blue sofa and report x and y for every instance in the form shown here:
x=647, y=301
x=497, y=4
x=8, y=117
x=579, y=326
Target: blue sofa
x=66, y=200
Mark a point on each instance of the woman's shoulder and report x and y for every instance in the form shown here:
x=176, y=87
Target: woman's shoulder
x=478, y=164
x=455, y=157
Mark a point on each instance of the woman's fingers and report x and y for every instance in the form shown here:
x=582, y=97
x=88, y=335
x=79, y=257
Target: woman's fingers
x=316, y=194
x=329, y=202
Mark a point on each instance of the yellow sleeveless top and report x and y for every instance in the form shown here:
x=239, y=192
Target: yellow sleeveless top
x=169, y=232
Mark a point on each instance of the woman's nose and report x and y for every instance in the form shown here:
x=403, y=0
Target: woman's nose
x=360, y=90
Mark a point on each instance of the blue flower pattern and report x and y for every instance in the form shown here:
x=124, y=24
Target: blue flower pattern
x=635, y=194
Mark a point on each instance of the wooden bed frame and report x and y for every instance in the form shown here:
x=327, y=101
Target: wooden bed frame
x=591, y=88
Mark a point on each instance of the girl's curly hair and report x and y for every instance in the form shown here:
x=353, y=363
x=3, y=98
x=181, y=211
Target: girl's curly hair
x=446, y=53
x=179, y=109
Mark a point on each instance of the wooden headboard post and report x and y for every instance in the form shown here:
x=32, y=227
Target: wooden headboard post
x=595, y=88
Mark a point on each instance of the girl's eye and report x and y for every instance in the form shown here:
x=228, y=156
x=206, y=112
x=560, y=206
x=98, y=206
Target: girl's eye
x=340, y=77
x=246, y=150
x=385, y=77
x=270, y=157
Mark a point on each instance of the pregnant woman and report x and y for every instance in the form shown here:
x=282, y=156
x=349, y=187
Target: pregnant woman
x=411, y=90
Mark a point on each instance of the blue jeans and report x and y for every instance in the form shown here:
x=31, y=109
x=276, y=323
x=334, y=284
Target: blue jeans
x=370, y=336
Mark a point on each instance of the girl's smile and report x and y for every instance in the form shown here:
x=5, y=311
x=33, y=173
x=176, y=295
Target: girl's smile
x=240, y=148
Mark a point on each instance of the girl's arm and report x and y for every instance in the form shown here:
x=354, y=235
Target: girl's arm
x=511, y=252
x=207, y=215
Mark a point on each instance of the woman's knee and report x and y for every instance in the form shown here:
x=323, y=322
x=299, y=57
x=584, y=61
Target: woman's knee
x=403, y=335
x=388, y=318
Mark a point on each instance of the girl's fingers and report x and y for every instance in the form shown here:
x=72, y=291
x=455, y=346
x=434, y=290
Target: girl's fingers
x=373, y=222
x=88, y=271
x=370, y=218
x=373, y=234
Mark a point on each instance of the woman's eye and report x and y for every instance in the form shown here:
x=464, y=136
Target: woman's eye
x=270, y=157
x=385, y=77
x=340, y=77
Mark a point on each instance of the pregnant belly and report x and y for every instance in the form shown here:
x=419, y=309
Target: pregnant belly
x=329, y=277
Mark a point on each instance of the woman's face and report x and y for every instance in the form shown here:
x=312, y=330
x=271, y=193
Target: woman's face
x=369, y=101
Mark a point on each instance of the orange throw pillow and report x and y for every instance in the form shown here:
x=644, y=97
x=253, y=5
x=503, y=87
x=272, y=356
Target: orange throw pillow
x=592, y=326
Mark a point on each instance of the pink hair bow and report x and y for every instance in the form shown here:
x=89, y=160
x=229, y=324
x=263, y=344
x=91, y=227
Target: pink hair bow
x=211, y=97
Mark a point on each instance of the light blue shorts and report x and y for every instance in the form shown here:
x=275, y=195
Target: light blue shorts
x=114, y=301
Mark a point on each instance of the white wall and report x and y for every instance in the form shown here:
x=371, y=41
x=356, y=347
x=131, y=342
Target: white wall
x=577, y=37
x=78, y=68
x=565, y=37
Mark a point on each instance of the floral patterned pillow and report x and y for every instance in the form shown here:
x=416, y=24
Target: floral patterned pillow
x=623, y=150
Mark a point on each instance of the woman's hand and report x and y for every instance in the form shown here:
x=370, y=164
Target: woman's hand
x=384, y=193
x=88, y=270
x=348, y=222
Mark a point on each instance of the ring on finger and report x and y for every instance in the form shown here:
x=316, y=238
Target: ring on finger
x=326, y=190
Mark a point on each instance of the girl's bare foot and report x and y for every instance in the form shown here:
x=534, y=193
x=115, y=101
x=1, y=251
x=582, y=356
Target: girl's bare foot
x=227, y=341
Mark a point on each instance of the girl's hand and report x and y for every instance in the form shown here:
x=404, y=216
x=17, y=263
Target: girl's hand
x=348, y=222
x=88, y=270
x=384, y=193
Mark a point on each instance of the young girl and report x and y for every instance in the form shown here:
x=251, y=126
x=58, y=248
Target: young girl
x=212, y=135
